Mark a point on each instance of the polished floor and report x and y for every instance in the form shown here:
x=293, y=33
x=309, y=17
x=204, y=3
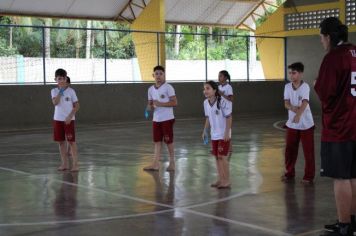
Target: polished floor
x=111, y=195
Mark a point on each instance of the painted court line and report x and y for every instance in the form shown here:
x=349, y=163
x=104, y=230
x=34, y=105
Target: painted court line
x=275, y=125
x=184, y=209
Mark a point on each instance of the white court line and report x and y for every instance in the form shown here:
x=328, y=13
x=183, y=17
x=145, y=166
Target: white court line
x=86, y=220
x=275, y=125
x=184, y=209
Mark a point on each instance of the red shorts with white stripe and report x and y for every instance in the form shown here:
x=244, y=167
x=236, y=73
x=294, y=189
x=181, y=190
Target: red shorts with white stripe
x=220, y=147
x=163, y=131
x=63, y=132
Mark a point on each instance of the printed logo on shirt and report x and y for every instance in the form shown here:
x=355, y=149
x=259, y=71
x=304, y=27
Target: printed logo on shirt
x=67, y=99
x=353, y=53
x=162, y=96
x=217, y=112
x=300, y=98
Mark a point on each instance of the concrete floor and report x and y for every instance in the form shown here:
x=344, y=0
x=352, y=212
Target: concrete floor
x=111, y=195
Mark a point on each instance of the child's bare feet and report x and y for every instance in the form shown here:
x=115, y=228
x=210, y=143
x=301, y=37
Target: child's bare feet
x=171, y=167
x=215, y=185
x=75, y=168
x=224, y=185
x=151, y=168
x=62, y=168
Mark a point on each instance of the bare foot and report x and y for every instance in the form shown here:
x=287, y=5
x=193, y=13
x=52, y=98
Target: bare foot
x=224, y=185
x=306, y=182
x=286, y=179
x=75, y=168
x=215, y=185
x=62, y=168
x=151, y=168
x=171, y=167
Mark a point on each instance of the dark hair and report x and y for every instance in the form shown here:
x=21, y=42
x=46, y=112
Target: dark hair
x=337, y=31
x=226, y=75
x=60, y=72
x=297, y=66
x=158, y=68
x=68, y=79
x=215, y=87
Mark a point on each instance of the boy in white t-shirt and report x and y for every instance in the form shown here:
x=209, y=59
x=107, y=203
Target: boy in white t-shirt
x=218, y=113
x=66, y=105
x=161, y=100
x=300, y=125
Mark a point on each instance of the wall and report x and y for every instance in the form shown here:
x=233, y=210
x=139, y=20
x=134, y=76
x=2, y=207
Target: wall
x=30, y=106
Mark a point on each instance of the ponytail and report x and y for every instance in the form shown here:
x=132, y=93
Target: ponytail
x=215, y=87
x=226, y=75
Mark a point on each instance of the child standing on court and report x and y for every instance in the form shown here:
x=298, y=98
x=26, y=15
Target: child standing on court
x=300, y=125
x=161, y=100
x=218, y=113
x=66, y=105
x=225, y=89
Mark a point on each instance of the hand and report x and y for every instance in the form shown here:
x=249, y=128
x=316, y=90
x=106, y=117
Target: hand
x=149, y=108
x=296, y=118
x=205, y=137
x=68, y=120
x=156, y=104
x=294, y=109
x=227, y=136
x=61, y=91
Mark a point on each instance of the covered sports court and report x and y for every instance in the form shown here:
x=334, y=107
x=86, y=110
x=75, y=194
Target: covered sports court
x=111, y=194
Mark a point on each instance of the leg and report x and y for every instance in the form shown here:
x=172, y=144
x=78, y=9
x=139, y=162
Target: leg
x=171, y=166
x=157, y=157
x=74, y=149
x=64, y=158
x=343, y=198
x=291, y=153
x=217, y=183
x=167, y=129
x=225, y=183
x=353, y=207
x=307, y=138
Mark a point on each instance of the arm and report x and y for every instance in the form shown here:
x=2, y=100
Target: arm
x=149, y=106
x=228, y=128
x=289, y=106
x=172, y=102
x=73, y=112
x=228, y=97
x=56, y=100
x=300, y=111
x=206, y=127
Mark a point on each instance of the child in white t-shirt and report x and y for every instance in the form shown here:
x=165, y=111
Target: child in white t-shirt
x=66, y=105
x=225, y=89
x=161, y=100
x=218, y=113
x=300, y=125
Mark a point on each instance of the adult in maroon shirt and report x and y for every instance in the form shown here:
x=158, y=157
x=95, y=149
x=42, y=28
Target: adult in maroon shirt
x=336, y=88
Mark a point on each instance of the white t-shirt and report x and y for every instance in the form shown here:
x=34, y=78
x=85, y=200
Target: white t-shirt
x=217, y=117
x=226, y=89
x=162, y=94
x=296, y=97
x=65, y=105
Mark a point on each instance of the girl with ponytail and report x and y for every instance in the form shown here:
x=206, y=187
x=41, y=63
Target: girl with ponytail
x=225, y=88
x=218, y=113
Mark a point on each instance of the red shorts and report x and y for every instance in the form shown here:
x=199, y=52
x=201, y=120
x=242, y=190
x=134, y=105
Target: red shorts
x=63, y=132
x=220, y=147
x=163, y=131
